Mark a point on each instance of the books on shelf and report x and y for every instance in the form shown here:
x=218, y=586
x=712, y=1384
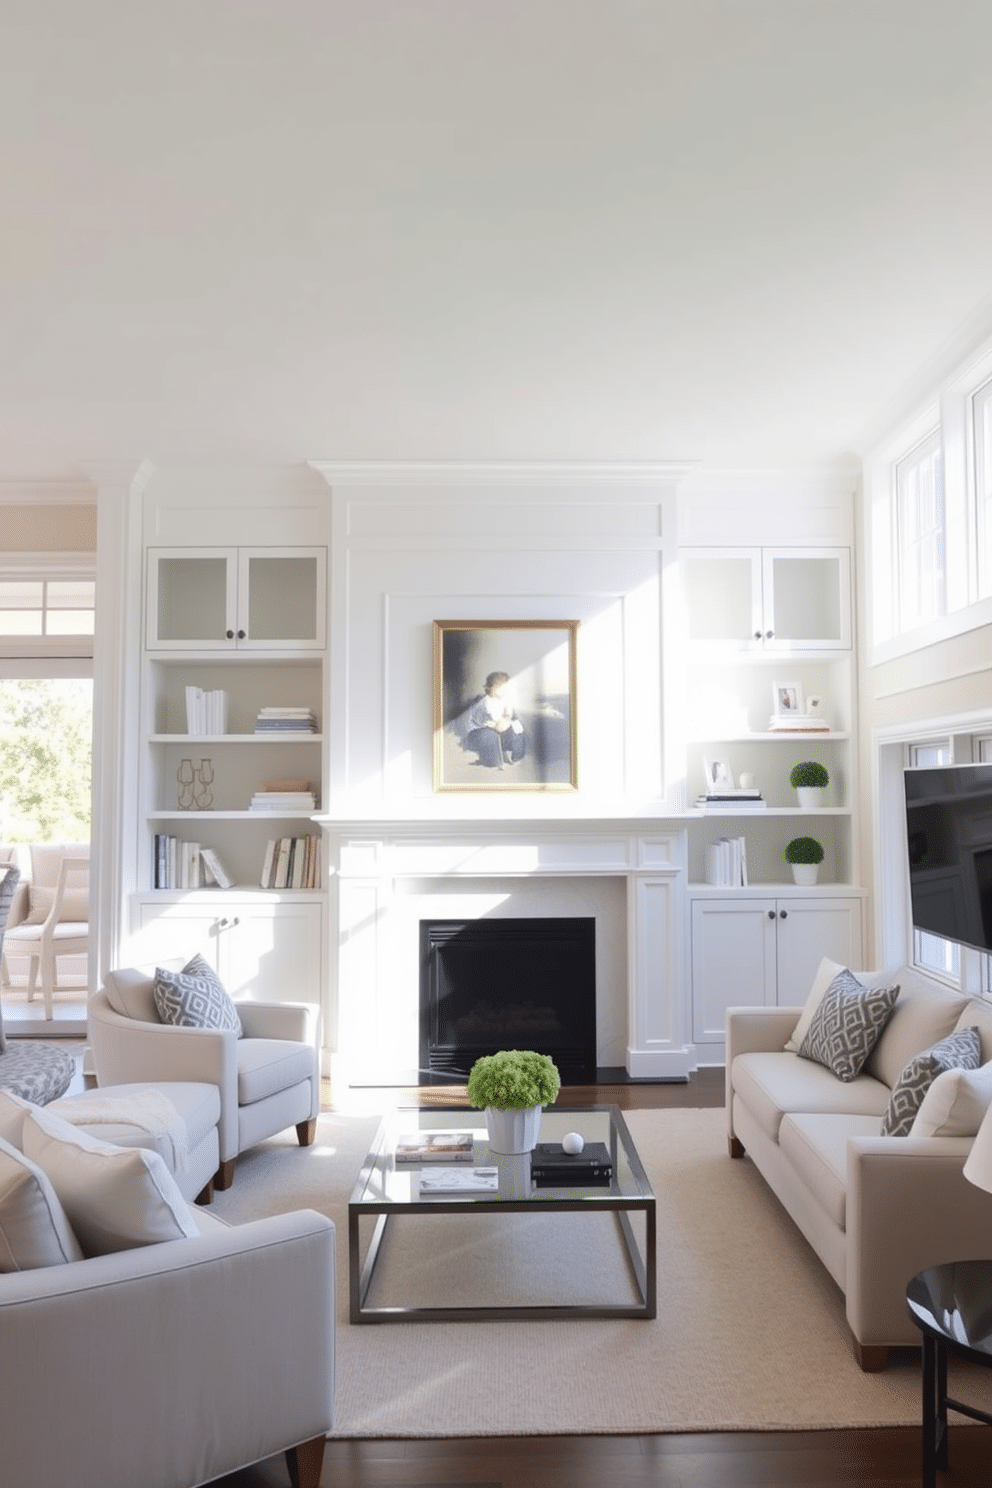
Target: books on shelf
x=206, y=710
x=286, y=721
x=214, y=870
x=732, y=801
x=798, y=723
x=459, y=1180
x=291, y=863
x=434, y=1146
x=284, y=795
x=726, y=863
x=178, y=864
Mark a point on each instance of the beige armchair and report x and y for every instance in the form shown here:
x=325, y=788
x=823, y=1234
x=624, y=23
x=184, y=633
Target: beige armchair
x=269, y=1079
x=51, y=917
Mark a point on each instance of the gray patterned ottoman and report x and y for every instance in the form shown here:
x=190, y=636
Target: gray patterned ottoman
x=35, y=1070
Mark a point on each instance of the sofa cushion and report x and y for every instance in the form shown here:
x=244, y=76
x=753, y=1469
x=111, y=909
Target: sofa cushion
x=131, y=993
x=847, y=1024
x=956, y=1103
x=266, y=1066
x=115, y=1198
x=924, y=1014
x=195, y=998
x=961, y=1050
x=12, y=1109
x=816, y=1145
x=977, y=1013
x=34, y=1230
x=772, y=1085
x=191, y=1112
x=75, y=905
x=826, y=971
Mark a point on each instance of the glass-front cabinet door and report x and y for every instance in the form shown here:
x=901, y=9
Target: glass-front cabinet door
x=236, y=599
x=768, y=599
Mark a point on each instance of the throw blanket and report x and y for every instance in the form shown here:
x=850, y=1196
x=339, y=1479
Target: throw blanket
x=149, y=1110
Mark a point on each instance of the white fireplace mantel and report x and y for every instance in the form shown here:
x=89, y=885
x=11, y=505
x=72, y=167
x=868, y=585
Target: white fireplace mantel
x=383, y=875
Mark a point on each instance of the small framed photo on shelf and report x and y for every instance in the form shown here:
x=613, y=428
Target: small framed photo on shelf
x=719, y=776
x=787, y=699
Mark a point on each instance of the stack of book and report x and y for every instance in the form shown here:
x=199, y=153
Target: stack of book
x=731, y=800
x=186, y=865
x=434, y=1146
x=726, y=863
x=206, y=712
x=552, y=1167
x=283, y=796
x=798, y=723
x=291, y=863
x=286, y=721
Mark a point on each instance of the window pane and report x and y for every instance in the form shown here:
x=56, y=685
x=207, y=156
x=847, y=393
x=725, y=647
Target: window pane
x=920, y=535
x=71, y=594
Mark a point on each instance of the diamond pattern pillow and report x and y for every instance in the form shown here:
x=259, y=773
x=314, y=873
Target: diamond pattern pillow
x=195, y=998
x=961, y=1050
x=846, y=1025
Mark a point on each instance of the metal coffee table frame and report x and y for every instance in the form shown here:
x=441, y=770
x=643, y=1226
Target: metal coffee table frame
x=629, y=1193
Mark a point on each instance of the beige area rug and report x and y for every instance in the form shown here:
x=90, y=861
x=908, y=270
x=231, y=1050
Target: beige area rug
x=750, y=1333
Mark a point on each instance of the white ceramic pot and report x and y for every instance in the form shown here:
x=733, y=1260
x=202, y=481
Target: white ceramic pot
x=810, y=797
x=805, y=874
x=513, y=1130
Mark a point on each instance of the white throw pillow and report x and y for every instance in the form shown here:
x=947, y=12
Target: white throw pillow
x=825, y=974
x=34, y=1230
x=956, y=1103
x=12, y=1109
x=75, y=905
x=115, y=1197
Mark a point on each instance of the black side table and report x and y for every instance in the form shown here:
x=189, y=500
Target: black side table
x=952, y=1307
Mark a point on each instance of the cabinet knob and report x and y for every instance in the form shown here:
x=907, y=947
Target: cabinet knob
x=769, y=634
x=771, y=914
x=757, y=635
x=783, y=914
x=242, y=634
x=229, y=634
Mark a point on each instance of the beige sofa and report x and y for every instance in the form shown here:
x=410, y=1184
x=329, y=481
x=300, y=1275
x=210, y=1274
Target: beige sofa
x=875, y=1209
x=139, y=1356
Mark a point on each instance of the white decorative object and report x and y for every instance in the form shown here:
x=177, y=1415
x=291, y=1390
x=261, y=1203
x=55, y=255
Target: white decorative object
x=746, y=780
x=804, y=874
x=573, y=1142
x=810, y=797
x=513, y=1130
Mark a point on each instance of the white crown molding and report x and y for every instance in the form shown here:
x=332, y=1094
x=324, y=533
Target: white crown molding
x=39, y=492
x=480, y=472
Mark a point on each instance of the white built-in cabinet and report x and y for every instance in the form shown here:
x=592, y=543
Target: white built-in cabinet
x=755, y=949
x=251, y=623
x=768, y=599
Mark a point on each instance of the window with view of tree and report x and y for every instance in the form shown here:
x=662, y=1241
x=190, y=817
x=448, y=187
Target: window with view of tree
x=46, y=759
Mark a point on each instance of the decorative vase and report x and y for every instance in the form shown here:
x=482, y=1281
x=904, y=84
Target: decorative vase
x=810, y=797
x=513, y=1130
x=805, y=874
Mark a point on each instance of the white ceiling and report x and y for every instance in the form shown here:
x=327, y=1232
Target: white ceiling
x=730, y=231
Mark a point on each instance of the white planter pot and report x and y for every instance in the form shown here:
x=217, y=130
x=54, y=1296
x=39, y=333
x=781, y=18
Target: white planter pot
x=805, y=874
x=513, y=1130
x=810, y=797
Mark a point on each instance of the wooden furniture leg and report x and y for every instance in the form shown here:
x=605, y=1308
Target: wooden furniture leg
x=305, y=1461
x=306, y=1131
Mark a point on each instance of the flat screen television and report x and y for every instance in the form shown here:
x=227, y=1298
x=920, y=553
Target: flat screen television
x=949, y=840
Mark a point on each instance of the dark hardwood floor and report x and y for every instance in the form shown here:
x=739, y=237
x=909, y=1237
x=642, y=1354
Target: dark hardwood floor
x=888, y=1458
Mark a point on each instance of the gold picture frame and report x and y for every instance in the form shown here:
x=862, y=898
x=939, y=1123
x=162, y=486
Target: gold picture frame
x=505, y=705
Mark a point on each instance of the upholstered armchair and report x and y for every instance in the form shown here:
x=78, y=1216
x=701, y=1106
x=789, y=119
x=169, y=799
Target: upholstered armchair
x=51, y=918
x=269, y=1078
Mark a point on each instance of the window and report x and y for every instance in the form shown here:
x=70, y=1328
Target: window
x=932, y=952
x=981, y=419
x=920, y=549
x=45, y=607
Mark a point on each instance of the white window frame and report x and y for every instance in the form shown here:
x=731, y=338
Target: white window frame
x=46, y=568
x=920, y=535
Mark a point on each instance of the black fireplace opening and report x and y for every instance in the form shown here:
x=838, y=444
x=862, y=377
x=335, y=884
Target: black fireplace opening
x=508, y=984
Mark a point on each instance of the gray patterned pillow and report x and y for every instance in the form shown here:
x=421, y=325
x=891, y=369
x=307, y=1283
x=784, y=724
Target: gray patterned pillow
x=961, y=1050
x=195, y=998
x=846, y=1025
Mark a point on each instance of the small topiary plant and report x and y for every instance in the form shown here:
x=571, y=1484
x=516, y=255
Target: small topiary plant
x=809, y=773
x=515, y=1078
x=803, y=850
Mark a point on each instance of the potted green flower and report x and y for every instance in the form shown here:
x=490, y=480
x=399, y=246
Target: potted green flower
x=805, y=855
x=809, y=779
x=512, y=1086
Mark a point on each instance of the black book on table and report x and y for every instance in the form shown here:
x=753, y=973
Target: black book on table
x=552, y=1166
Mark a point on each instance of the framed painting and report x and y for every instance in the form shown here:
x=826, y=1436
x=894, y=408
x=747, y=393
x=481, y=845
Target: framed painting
x=505, y=705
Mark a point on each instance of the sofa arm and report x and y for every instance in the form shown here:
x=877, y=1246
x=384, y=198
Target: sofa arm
x=909, y=1206
x=754, y=1030
x=299, y=1021
x=211, y=1353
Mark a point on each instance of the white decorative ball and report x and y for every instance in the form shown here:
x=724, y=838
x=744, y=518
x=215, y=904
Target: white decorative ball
x=573, y=1142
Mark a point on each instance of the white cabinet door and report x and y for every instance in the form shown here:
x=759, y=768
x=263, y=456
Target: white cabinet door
x=244, y=599
x=808, y=930
x=768, y=599
x=733, y=960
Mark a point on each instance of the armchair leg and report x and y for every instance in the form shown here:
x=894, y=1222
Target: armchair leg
x=735, y=1146
x=206, y=1194
x=305, y=1461
x=306, y=1131
x=224, y=1176
x=872, y=1358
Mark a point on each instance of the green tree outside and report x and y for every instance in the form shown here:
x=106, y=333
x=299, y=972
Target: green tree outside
x=46, y=759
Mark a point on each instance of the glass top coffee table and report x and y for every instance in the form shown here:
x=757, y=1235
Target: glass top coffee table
x=388, y=1191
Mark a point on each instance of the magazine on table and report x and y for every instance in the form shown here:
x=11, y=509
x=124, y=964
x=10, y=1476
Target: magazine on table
x=459, y=1180
x=434, y=1146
